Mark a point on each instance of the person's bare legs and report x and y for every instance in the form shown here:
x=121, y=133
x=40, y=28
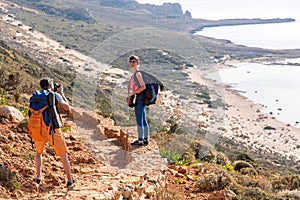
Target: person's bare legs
x=67, y=167
x=38, y=165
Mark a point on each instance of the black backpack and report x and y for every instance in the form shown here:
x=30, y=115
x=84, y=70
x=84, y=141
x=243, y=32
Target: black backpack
x=152, y=84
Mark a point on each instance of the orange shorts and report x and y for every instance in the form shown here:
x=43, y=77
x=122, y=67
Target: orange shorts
x=59, y=146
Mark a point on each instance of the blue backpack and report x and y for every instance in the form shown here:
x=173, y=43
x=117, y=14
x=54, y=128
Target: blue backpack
x=39, y=100
x=42, y=124
x=152, y=84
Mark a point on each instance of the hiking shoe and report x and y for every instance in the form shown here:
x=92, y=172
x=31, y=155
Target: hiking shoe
x=37, y=180
x=137, y=143
x=71, y=184
x=146, y=142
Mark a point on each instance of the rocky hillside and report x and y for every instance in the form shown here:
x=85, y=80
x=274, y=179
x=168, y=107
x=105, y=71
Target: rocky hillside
x=170, y=10
x=83, y=25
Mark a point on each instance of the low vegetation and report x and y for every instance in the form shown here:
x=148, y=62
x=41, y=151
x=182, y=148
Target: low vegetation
x=247, y=177
x=9, y=179
x=19, y=77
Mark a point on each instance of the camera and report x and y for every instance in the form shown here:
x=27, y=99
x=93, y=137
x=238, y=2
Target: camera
x=56, y=86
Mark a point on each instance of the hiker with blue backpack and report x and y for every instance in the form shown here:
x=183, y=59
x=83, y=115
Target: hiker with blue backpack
x=45, y=123
x=142, y=91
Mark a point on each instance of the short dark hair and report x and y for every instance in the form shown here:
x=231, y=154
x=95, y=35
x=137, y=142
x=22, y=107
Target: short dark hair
x=134, y=57
x=45, y=82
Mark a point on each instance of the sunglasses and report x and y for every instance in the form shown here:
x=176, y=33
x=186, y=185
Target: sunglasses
x=132, y=61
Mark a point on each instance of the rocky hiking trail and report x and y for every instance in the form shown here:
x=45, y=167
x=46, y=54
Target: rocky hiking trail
x=101, y=165
x=102, y=161
x=111, y=145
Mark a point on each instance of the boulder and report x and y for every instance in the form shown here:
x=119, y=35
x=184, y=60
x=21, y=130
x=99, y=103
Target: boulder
x=11, y=113
x=99, y=132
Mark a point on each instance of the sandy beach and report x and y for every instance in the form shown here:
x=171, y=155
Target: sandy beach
x=247, y=124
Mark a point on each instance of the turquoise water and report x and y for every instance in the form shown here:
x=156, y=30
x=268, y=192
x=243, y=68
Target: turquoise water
x=268, y=36
x=277, y=87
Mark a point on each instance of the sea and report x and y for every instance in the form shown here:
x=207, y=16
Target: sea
x=276, y=86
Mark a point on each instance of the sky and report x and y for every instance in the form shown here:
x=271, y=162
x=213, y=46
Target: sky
x=221, y=9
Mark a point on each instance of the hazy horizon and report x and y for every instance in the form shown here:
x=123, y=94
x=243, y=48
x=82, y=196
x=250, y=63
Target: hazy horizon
x=217, y=9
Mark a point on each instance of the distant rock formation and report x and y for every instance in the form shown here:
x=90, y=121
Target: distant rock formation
x=188, y=14
x=167, y=9
x=171, y=10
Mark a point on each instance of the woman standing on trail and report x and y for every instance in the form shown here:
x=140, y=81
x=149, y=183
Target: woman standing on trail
x=136, y=86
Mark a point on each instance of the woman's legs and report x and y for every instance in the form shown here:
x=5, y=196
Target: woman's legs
x=142, y=124
x=145, y=125
x=139, y=120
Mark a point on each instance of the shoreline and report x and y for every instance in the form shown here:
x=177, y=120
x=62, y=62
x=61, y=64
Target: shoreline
x=243, y=92
x=239, y=22
x=245, y=123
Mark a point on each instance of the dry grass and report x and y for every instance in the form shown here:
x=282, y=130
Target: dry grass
x=9, y=179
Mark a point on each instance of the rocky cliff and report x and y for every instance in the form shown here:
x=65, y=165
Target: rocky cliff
x=167, y=9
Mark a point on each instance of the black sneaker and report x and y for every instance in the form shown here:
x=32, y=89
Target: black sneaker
x=71, y=184
x=146, y=142
x=137, y=143
x=37, y=180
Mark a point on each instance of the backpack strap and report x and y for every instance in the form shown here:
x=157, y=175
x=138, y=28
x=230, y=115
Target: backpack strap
x=136, y=81
x=38, y=111
x=58, y=112
x=32, y=143
x=53, y=113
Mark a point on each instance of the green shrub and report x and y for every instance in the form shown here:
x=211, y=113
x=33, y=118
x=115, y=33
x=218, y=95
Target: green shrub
x=9, y=179
x=173, y=157
x=249, y=171
x=295, y=194
x=173, y=126
x=221, y=159
x=203, y=96
x=24, y=111
x=66, y=128
x=213, y=181
x=287, y=182
x=4, y=100
x=245, y=157
x=206, y=152
x=251, y=193
x=238, y=165
x=168, y=194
